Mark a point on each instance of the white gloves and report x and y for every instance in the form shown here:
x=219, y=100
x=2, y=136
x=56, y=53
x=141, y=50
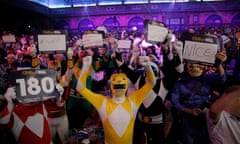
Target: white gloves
x=60, y=102
x=119, y=61
x=33, y=50
x=87, y=61
x=59, y=89
x=10, y=94
x=144, y=60
x=178, y=46
x=147, y=64
x=80, y=85
x=114, y=44
x=69, y=53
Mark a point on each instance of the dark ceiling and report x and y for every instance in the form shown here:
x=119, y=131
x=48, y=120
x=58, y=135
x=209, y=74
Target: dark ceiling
x=17, y=15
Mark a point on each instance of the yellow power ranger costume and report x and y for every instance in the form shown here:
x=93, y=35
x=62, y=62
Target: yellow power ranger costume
x=118, y=112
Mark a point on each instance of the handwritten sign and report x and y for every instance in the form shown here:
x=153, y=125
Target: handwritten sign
x=200, y=52
x=34, y=85
x=92, y=39
x=124, y=44
x=201, y=49
x=52, y=42
x=9, y=38
x=155, y=31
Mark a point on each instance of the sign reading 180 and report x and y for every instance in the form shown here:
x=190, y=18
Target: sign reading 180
x=34, y=85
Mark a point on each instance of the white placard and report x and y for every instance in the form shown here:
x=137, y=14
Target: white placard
x=200, y=52
x=126, y=44
x=92, y=40
x=51, y=42
x=9, y=38
x=156, y=33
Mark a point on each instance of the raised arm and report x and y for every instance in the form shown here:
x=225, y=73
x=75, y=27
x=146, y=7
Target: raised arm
x=221, y=57
x=94, y=98
x=131, y=74
x=147, y=64
x=142, y=93
x=229, y=101
x=5, y=113
x=67, y=77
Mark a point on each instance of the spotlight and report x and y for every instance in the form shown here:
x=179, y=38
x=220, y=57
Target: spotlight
x=134, y=28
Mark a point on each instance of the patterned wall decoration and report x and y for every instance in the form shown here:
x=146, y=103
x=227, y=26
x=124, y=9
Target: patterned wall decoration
x=236, y=20
x=62, y=24
x=111, y=24
x=214, y=21
x=85, y=24
x=137, y=22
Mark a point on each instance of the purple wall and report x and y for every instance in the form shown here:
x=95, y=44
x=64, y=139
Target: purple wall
x=177, y=16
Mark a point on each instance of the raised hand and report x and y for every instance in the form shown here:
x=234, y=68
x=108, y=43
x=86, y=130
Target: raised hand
x=114, y=44
x=59, y=89
x=118, y=59
x=87, y=61
x=144, y=60
x=10, y=94
x=222, y=56
x=70, y=53
x=60, y=102
x=33, y=50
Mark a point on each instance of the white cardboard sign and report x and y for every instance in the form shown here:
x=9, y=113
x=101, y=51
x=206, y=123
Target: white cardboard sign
x=92, y=40
x=9, y=38
x=200, y=51
x=124, y=44
x=51, y=42
x=156, y=33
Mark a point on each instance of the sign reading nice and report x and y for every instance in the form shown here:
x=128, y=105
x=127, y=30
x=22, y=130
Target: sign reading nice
x=201, y=48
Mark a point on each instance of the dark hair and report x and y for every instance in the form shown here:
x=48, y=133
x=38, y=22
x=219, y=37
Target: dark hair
x=26, y=61
x=105, y=46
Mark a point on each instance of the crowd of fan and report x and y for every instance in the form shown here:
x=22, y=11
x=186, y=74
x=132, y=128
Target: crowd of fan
x=14, y=54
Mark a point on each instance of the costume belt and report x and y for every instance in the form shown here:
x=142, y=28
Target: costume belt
x=157, y=119
x=75, y=94
x=55, y=114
